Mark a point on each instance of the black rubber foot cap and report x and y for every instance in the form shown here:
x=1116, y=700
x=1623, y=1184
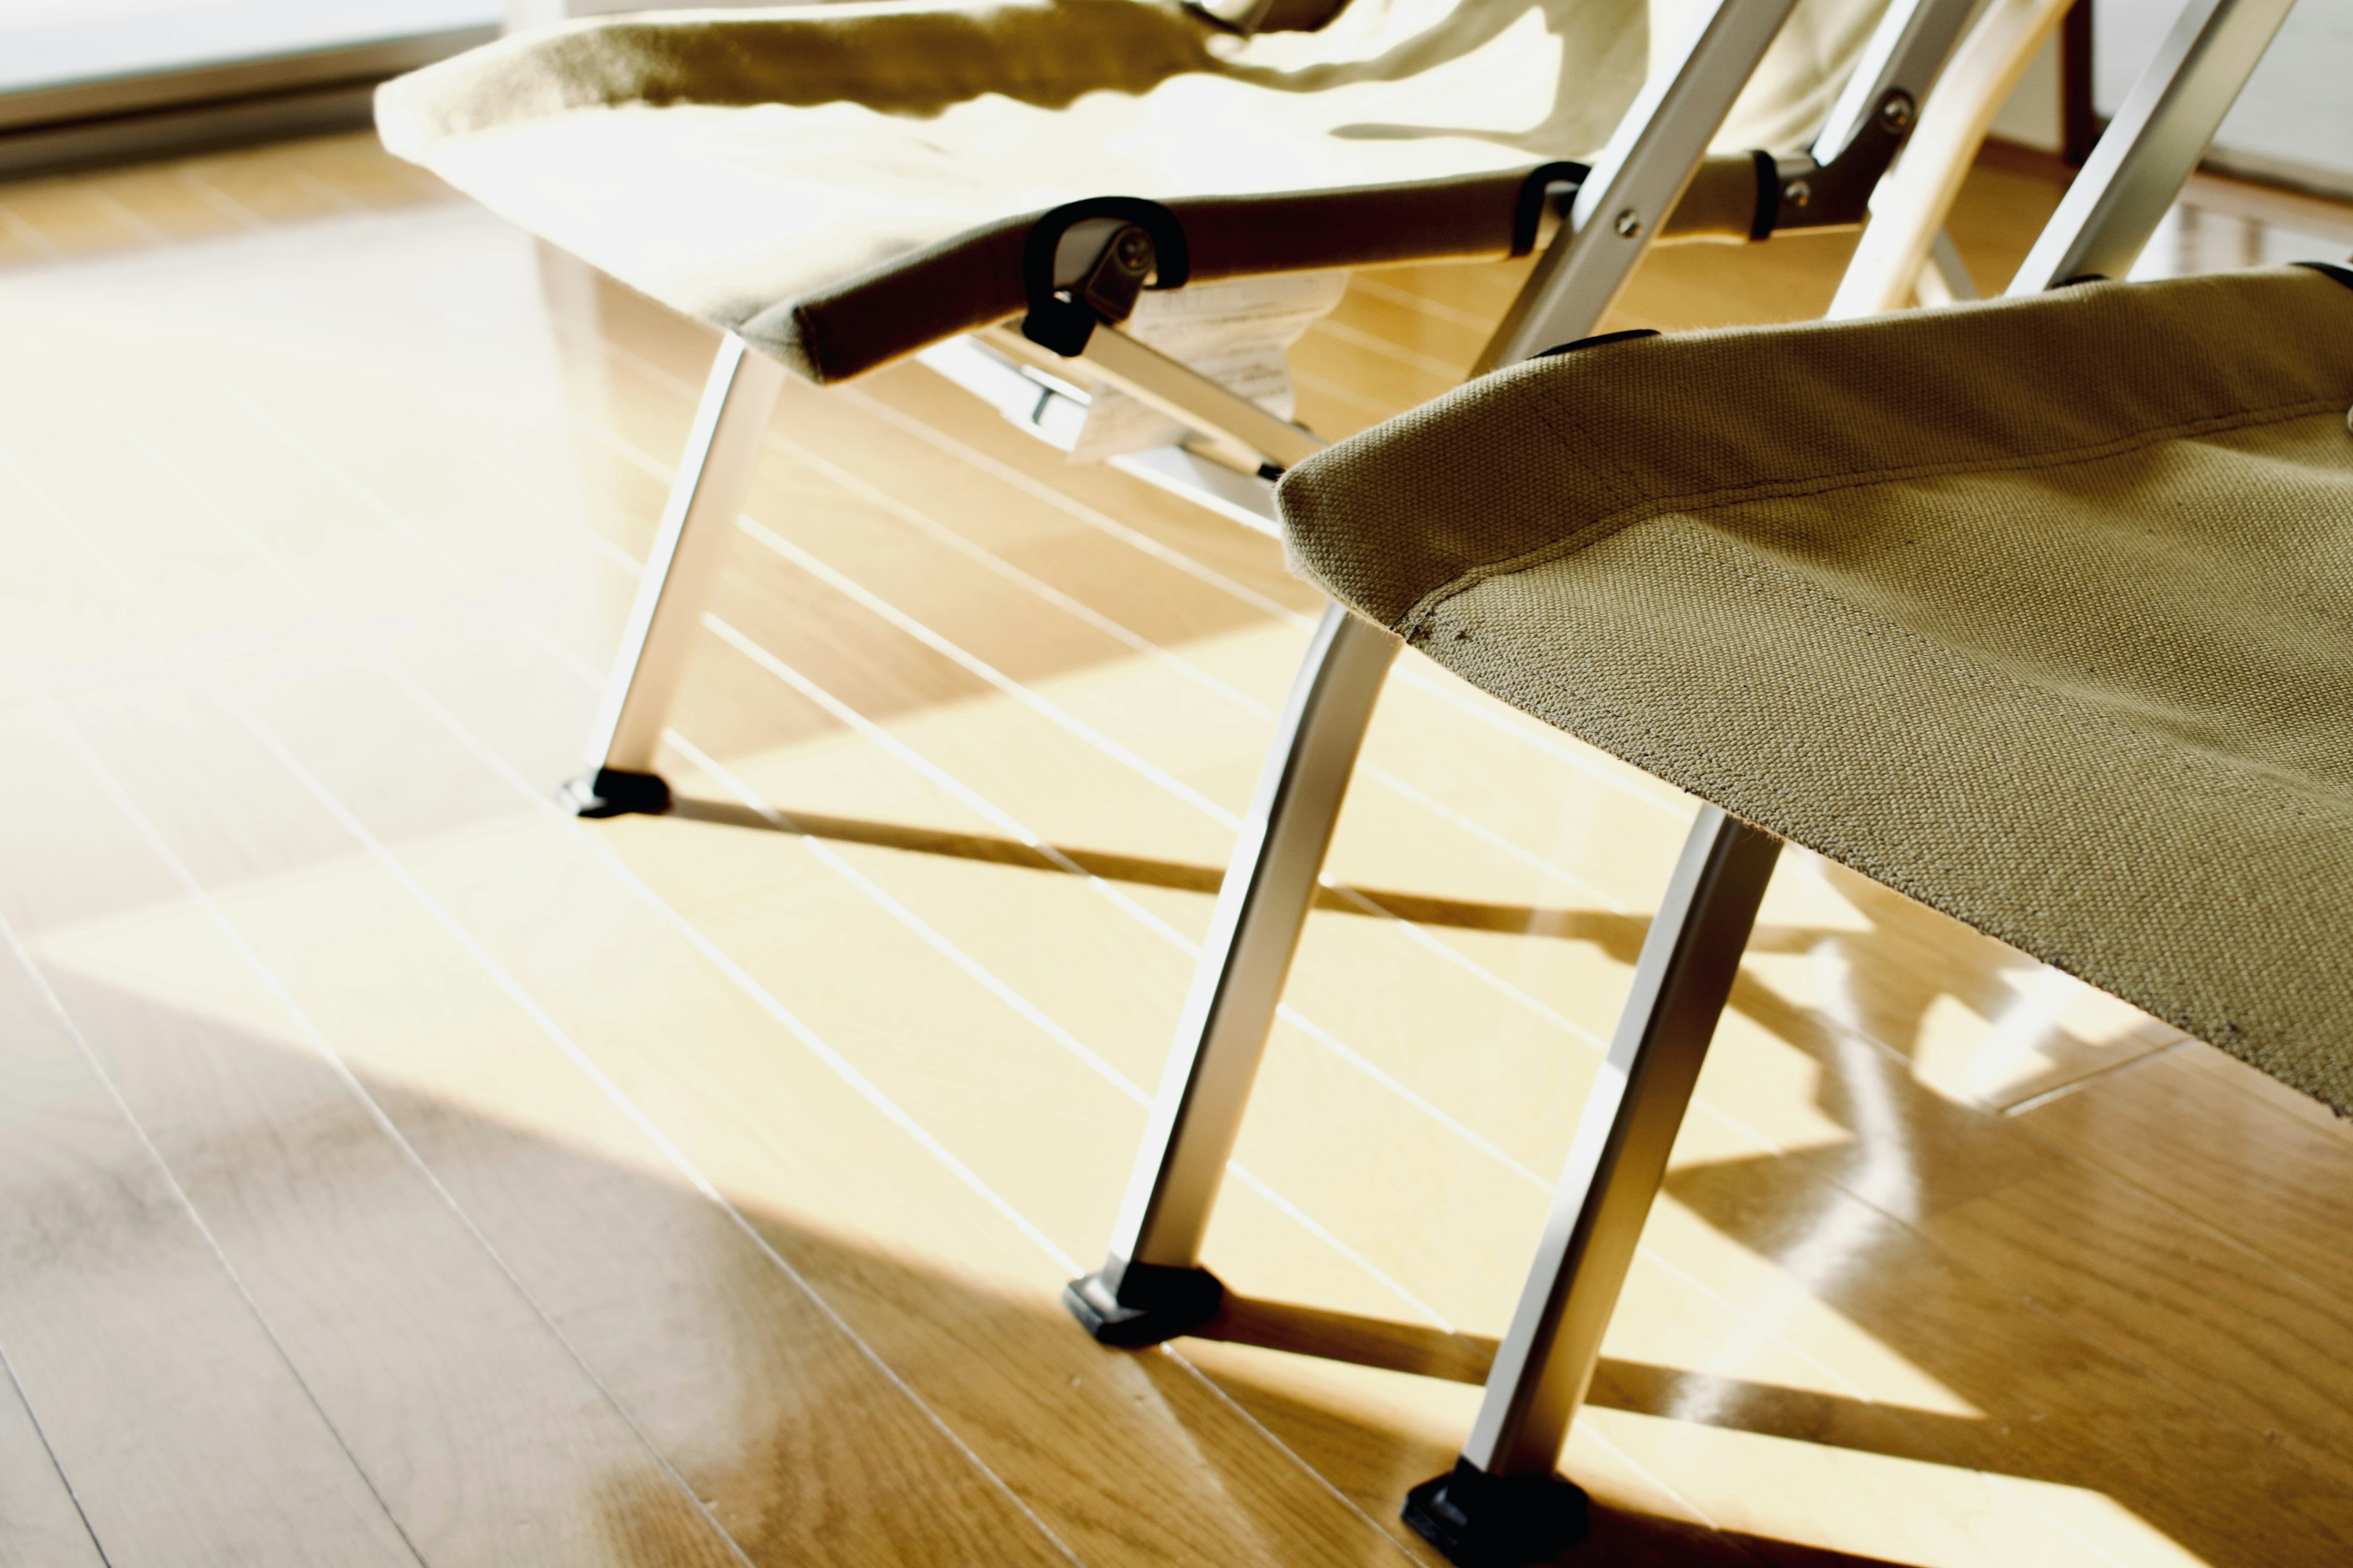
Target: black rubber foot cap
x=1154, y=1303
x=1496, y=1521
x=609, y=792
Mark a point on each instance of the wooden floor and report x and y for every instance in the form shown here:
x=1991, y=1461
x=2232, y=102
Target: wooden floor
x=395, y=1170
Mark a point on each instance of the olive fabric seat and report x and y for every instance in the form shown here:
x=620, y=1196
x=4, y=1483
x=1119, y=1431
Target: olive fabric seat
x=2040, y=610
x=842, y=185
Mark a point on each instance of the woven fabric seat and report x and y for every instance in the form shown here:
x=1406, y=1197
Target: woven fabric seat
x=2039, y=611
x=845, y=184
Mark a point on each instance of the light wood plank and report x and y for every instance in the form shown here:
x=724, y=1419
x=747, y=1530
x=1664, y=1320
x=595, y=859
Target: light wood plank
x=264, y=183
x=2278, y=1180
x=185, y=1436
x=471, y=1418
x=355, y=165
x=519, y=686
x=1374, y=307
x=64, y=218
x=1125, y=1455
x=156, y=202
x=22, y=245
x=1060, y=1329
x=771, y=1484
x=60, y=629
x=747, y=1384
x=41, y=1525
x=2235, y=1076
x=2257, y=1338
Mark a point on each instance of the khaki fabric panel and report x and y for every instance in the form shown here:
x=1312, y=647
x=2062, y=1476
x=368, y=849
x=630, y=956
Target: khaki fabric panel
x=1549, y=455
x=2040, y=612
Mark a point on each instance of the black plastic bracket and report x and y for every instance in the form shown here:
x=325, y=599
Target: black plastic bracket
x=1836, y=194
x=1141, y=240
x=1554, y=183
x=1150, y=1302
x=611, y=791
x=1481, y=1520
x=1768, y=195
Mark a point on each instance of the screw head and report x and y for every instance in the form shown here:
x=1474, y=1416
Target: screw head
x=1895, y=110
x=1133, y=251
x=1798, y=192
x=1629, y=225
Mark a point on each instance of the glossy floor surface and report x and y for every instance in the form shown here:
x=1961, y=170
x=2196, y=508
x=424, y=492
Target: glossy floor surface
x=395, y=1170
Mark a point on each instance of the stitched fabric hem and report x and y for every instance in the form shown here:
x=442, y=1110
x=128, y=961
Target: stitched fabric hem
x=1414, y=623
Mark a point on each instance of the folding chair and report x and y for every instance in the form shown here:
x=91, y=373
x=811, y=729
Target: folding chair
x=2036, y=610
x=837, y=186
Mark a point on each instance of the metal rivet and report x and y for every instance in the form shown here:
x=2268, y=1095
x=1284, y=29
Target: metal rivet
x=1895, y=110
x=1797, y=192
x=1629, y=225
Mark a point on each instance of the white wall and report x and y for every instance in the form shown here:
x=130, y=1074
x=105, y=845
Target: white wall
x=2032, y=115
x=2294, y=121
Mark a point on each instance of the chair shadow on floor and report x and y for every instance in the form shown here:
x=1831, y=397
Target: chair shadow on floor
x=1908, y=1145
x=1892, y=1016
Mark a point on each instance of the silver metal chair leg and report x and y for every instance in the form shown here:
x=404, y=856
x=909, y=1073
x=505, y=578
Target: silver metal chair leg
x=1153, y=1287
x=2149, y=149
x=714, y=476
x=1501, y=1502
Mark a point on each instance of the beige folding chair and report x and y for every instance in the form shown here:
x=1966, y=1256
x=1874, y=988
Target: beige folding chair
x=839, y=186
x=2039, y=610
